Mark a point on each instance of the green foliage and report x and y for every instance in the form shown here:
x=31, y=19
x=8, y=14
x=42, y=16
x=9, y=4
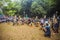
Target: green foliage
x=37, y=6
x=42, y=6
x=50, y=3
x=12, y=8
x=1, y=4
x=11, y=12
x=1, y=12
x=9, y=9
x=7, y=0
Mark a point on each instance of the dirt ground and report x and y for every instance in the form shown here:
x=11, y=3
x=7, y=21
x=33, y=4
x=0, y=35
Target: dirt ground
x=23, y=32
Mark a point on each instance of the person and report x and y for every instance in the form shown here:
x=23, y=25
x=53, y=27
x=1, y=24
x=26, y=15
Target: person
x=46, y=29
x=36, y=21
x=14, y=20
x=29, y=21
x=56, y=26
x=52, y=23
x=42, y=21
x=58, y=19
x=23, y=21
x=19, y=20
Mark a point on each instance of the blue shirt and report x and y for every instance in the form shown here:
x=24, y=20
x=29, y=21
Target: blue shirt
x=48, y=30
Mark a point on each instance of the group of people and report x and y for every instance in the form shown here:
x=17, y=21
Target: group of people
x=50, y=23
x=46, y=23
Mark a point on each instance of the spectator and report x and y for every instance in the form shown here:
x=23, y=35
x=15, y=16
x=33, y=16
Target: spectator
x=14, y=20
x=47, y=30
x=56, y=26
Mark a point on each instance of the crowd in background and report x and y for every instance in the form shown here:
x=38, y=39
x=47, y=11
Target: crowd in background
x=47, y=23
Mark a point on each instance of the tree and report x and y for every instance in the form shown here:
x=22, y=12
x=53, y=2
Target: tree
x=1, y=4
x=36, y=8
x=29, y=7
x=42, y=6
x=12, y=8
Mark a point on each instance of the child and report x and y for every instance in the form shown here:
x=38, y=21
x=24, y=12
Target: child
x=47, y=30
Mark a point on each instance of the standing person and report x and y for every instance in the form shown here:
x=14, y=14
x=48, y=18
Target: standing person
x=23, y=20
x=52, y=22
x=19, y=18
x=14, y=20
x=47, y=32
x=56, y=26
x=36, y=21
x=58, y=18
x=42, y=22
x=45, y=20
